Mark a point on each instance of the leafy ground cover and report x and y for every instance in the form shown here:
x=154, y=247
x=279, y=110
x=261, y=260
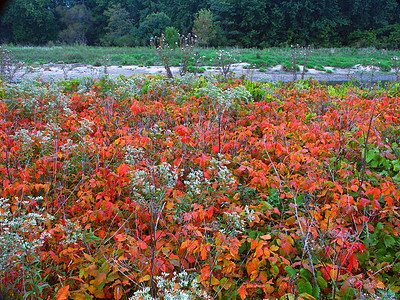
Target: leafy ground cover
x=260, y=58
x=143, y=187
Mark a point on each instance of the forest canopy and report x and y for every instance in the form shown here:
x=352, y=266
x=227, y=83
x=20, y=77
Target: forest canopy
x=243, y=23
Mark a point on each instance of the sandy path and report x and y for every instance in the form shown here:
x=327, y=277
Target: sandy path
x=58, y=71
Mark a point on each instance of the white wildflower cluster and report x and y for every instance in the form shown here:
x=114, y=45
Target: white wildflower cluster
x=32, y=92
x=223, y=175
x=196, y=183
x=129, y=87
x=187, y=79
x=240, y=93
x=249, y=214
x=223, y=54
x=143, y=294
x=24, y=136
x=226, y=98
x=157, y=132
x=69, y=145
x=86, y=127
x=16, y=226
x=189, y=288
x=56, y=102
x=73, y=232
x=234, y=224
x=27, y=138
x=154, y=180
x=134, y=155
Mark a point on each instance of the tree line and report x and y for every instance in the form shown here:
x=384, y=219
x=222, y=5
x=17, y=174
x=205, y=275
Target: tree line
x=243, y=23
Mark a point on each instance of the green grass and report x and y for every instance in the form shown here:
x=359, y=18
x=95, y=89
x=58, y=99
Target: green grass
x=261, y=58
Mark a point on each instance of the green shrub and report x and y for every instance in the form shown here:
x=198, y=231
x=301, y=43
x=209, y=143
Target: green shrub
x=171, y=36
x=385, y=67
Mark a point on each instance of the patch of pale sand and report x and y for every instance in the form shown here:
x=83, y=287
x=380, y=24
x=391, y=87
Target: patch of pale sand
x=361, y=68
x=78, y=70
x=277, y=68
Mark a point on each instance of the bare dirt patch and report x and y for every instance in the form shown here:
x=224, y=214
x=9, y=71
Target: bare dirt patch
x=276, y=73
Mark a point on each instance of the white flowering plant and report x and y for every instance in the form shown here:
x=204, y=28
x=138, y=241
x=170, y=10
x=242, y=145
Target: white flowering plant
x=23, y=232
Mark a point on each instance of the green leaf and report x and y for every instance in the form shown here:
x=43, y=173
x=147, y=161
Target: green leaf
x=276, y=269
x=267, y=205
x=322, y=282
x=316, y=291
x=370, y=155
x=396, y=267
x=389, y=241
x=305, y=274
x=292, y=272
x=396, y=165
x=305, y=287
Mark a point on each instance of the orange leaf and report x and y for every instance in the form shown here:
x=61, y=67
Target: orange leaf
x=389, y=201
x=252, y=266
x=122, y=169
x=263, y=182
x=203, y=253
x=266, y=237
x=215, y=149
x=242, y=292
x=62, y=293
x=118, y=292
x=100, y=278
x=184, y=245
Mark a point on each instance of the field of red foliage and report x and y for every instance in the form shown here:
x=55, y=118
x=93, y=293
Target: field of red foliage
x=143, y=187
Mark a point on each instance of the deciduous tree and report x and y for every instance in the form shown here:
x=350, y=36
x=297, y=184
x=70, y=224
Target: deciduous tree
x=203, y=26
x=119, y=26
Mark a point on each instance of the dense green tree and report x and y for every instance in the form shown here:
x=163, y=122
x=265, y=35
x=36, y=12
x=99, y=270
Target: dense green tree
x=153, y=25
x=248, y=23
x=76, y=21
x=203, y=26
x=226, y=20
x=119, y=28
x=29, y=22
x=171, y=36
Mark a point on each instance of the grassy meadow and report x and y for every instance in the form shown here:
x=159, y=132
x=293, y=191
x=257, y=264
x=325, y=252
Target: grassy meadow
x=259, y=58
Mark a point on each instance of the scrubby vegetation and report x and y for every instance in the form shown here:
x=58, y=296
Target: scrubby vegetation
x=186, y=188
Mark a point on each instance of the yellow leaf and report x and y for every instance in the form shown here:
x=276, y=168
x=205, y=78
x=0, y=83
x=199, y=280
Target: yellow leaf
x=146, y=277
x=79, y=296
x=269, y=289
x=214, y=281
x=274, y=248
x=236, y=197
x=263, y=276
